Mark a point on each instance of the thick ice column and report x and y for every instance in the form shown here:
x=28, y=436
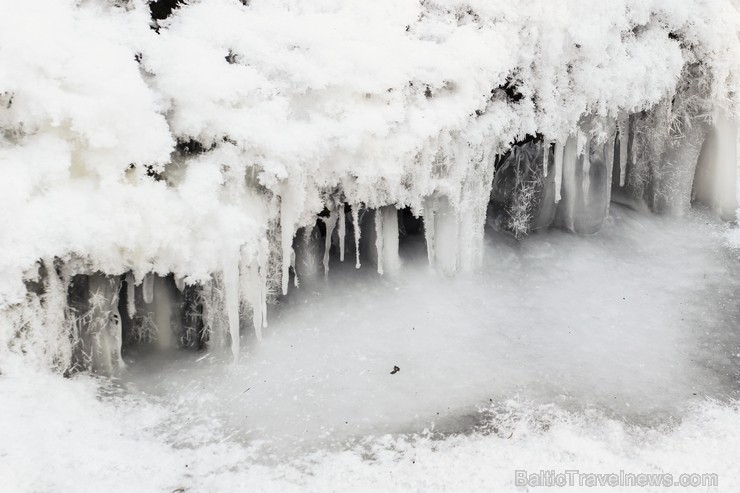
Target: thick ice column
x=148, y=288
x=165, y=310
x=103, y=336
x=230, y=263
x=716, y=175
x=585, y=185
x=446, y=237
x=676, y=169
x=215, y=317
x=391, y=260
x=593, y=208
x=570, y=188
x=57, y=333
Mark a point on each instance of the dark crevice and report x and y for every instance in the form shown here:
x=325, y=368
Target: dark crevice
x=162, y=9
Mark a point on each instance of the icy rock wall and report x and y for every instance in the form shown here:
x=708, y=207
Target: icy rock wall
x=200, y=146
x=662, y=159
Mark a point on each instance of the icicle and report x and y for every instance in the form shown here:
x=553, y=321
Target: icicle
x=180, y=283
x=115, y=326
x=446, y=237
x=58, y=333
x=214, y=309
x=342, y=232
x=391, y=260
x=623, y=144
x=231, y=292
x=610, y=142
x=263, y=285
x=717, y=170
x=545, y=156
x=429, y=229
x=148, y=288
x=586, y=179
x=103, y=337
x=570, y=156
x=288, y=255
x=251, y=289
x=559, y=150
x=308, y=252
x=356, y=227
x=633, y=150
x=130, y=295
x=287, y=233
x=258, y=312
x=163, y=312
x=379, y=239
x=296, y=281
x=330, y=223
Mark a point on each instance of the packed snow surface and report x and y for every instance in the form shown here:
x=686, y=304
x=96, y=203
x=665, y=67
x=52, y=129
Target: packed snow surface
x=616, y=351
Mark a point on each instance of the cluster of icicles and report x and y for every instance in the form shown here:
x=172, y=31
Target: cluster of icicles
x=645, y=159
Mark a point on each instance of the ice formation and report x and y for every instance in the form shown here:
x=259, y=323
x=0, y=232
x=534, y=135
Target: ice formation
x=163, y=179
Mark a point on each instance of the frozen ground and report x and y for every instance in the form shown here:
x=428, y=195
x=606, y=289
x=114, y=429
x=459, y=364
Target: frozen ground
x=617, y=351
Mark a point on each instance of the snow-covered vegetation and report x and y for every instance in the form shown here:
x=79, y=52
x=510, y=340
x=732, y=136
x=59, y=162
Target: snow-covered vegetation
x=201, y=145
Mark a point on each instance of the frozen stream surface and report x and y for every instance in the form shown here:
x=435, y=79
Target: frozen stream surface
x=616, y=351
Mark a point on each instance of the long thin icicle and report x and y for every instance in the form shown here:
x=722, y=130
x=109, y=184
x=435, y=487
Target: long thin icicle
x=356, y=227
x=130, y=295
x=586, y=178
x=623, y=143
x=391, y=260
x=610, y=142
x=633, y=149
x=545, y=156
x=570, y=157
x=286, y=239
x=379, y=238
x=251, y=288
x=263, y=285
x=231, y=297
x=559, y=148
x=342, y=232
x=330, y=223
x=429, y=229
